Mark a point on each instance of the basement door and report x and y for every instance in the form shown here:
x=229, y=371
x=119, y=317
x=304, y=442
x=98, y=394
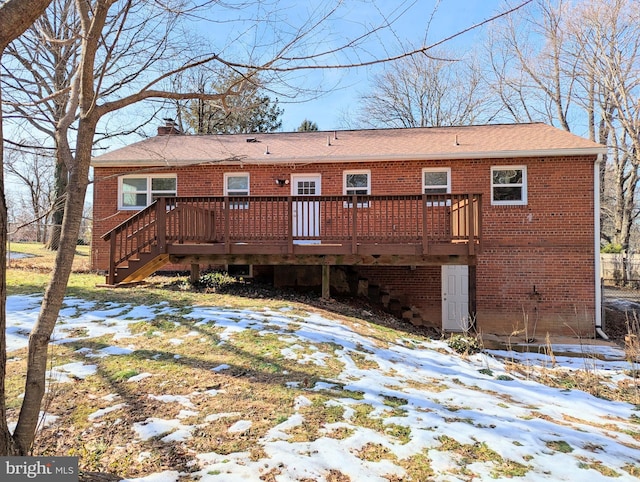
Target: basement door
x=455, y=298
x=306, y=214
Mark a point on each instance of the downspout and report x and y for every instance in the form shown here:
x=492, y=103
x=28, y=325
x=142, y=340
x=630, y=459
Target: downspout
x=596, y=240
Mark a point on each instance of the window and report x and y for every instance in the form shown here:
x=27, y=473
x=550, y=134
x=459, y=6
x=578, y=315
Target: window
x=509, y=185
x=137, y=192
x=237, y=184
x=306, y=188
x=359, y=183
x=436, y=181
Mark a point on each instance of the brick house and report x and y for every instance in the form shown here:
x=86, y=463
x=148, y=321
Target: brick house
x=495, y=226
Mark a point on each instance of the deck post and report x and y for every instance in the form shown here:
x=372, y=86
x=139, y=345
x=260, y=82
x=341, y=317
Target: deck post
x=326, y=281
x=195, y=273
x=478, y=217
x=161, y=224
x=290, y=226
x=354, y=227
x=425, y=238
x=471, y=221
x=111, y=277
x=227, y=227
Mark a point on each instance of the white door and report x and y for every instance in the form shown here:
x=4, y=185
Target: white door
x=455, y=298
x=306, y=214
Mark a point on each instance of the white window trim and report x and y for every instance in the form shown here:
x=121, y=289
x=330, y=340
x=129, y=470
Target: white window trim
x=227, y=175
x=148, y=177
x=424, y=186
x=523, y=185
x=344, y=185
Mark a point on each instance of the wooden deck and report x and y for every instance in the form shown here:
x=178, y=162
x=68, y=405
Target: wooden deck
x=400, y=229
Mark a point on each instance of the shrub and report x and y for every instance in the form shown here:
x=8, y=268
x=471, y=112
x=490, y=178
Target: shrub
x=611, y=248
x=465, y=345
x=215, y=280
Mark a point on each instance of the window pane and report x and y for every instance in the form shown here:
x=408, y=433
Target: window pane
x=163, y=184
x=238, y=182
x=357, y=180
x=362, y=192
x=134, y=200
x=507, y=194
x=306, y=188
x=435, y=190
x=134, y=184
x=507, y=176
x=435, y=178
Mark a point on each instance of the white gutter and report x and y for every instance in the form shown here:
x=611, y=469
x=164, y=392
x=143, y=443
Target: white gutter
x=596, y=236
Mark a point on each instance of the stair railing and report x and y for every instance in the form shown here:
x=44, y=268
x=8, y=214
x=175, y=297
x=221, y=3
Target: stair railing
x=138, y=234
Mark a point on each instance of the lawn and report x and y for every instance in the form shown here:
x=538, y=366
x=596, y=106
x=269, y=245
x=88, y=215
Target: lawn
x=165, y=382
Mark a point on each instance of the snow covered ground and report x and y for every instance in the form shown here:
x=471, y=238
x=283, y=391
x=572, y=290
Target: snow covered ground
x=462, y=418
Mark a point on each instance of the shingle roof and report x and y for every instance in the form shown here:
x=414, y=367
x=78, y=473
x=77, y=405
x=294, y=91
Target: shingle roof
x=427, y=143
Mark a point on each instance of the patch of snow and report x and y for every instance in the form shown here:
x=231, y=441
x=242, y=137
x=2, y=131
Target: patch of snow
x=219, y=368
x=154, y=427
x=139, y=377
x=301, y=401
x=166, y=476
x=104, y=411
x=186, y=414
x=217, y=416
x=110, y=351
x=64, y=373
x=240, y=426
x=181, y=399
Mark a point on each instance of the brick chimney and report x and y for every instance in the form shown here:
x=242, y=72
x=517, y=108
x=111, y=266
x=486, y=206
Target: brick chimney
x=169, y=128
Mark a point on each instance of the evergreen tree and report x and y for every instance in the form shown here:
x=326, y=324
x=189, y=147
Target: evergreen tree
x=307, y=125
x=251, y=110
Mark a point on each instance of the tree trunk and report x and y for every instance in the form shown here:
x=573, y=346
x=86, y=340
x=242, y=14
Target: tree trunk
x=54, y=294
x=15, y=17
x=6, y=441
x=61, y=176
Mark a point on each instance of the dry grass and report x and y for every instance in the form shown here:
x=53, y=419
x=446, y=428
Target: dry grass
x=40, y=259
x=260, y=384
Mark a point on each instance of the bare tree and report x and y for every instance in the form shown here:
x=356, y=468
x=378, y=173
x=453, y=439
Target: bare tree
x=424, y=90
x=578, y=66
x=106, y=81
x=34, y=172
x=41, y=65
x=610, y=36
x=15, y=17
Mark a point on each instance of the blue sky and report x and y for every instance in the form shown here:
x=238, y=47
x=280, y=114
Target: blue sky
x=330, y=97
x=330, y=110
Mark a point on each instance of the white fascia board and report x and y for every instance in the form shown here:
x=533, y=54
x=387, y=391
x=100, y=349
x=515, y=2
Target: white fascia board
x=442, y=156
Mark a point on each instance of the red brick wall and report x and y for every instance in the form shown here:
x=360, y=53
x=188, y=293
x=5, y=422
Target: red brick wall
x=420, y=287
x=548, y=243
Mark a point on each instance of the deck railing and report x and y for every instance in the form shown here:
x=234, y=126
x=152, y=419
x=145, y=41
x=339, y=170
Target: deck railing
x=422, y=219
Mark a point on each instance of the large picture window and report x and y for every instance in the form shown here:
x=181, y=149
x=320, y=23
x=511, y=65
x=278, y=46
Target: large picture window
x=509, y=185
x=358, y=183
x=137, y=192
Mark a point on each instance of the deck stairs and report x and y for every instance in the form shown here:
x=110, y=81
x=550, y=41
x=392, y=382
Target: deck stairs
x=140, y=268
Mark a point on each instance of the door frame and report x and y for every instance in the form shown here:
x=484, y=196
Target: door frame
x=303, y=227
